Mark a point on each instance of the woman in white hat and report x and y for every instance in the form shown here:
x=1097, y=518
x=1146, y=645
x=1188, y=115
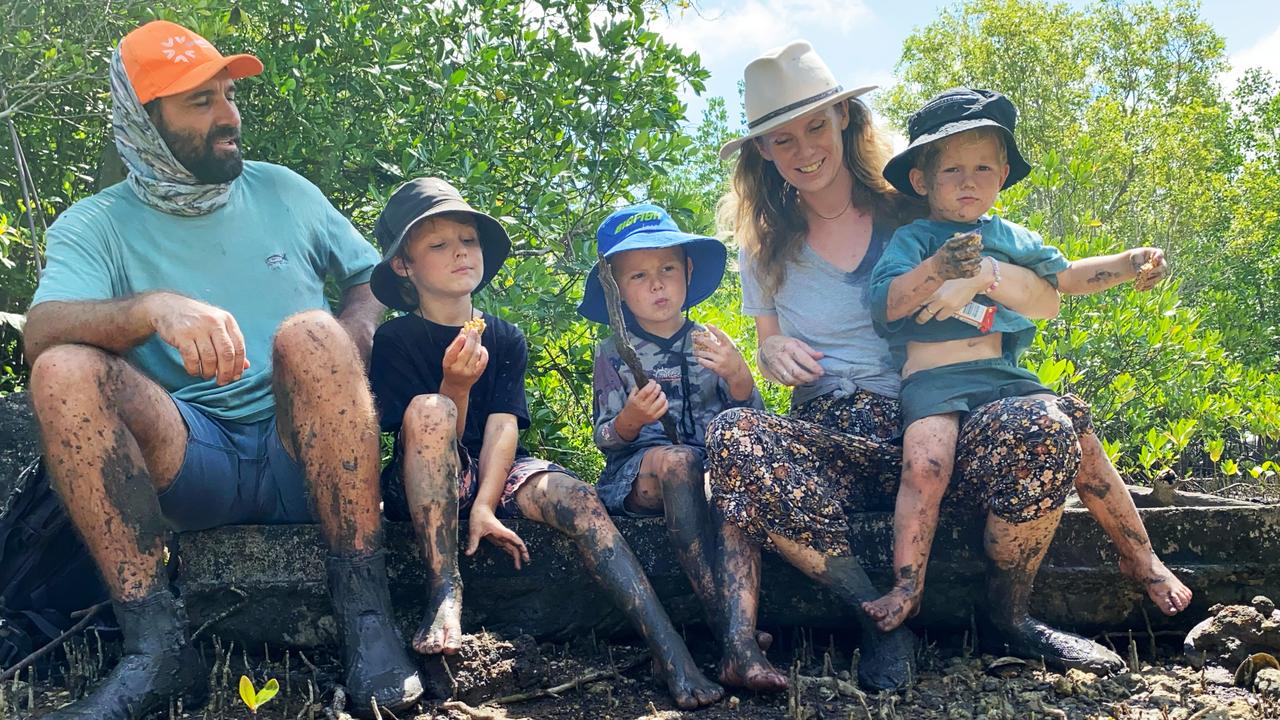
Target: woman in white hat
x=812, y=212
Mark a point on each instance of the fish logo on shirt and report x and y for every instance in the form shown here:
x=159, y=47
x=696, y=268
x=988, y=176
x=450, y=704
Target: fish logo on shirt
x=276, y=261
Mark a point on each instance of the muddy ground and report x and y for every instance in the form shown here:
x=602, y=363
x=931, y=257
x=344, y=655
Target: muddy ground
x=615, y=682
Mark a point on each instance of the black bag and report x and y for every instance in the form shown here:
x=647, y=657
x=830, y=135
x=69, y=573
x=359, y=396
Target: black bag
x=45, y=570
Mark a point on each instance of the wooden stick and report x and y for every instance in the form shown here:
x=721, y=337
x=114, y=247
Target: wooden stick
x=88, y=614
x=613, y=301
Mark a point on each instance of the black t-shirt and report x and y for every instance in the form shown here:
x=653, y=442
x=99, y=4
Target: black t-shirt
x=408, y=359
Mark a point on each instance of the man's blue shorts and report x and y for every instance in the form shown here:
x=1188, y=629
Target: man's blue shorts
x=234, y=473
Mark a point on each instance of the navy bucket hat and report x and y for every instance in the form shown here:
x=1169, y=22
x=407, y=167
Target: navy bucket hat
x=412, y=203
x=649, y=227
x=951, y=112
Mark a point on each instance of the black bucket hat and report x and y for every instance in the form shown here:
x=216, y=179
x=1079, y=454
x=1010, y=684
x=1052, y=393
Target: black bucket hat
x=955, y=111
x=411, y=203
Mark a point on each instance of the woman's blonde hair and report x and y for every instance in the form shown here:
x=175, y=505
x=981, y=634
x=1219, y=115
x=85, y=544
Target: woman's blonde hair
x=762, y=211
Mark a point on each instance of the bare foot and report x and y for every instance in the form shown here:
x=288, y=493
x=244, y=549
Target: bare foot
x=441, y=629
x=688, y=686
x=893, y=608
x=1162, y=586
x=747, y=667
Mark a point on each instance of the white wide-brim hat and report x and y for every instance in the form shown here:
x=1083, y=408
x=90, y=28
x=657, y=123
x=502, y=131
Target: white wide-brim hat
x=783, y=84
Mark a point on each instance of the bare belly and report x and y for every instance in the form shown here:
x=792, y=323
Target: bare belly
x=929, y=355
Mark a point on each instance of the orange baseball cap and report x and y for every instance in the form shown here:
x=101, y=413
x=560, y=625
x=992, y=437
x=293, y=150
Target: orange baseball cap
x=162, y=58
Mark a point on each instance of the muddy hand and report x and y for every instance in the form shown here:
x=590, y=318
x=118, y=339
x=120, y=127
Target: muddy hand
x=1149, y=267
x=484, y=524
x=960, y=256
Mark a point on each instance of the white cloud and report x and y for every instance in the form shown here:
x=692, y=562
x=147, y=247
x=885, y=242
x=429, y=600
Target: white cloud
x=754, y=26
x=1264, y=54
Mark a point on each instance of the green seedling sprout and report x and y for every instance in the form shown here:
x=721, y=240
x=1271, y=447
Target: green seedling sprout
x=254, y=699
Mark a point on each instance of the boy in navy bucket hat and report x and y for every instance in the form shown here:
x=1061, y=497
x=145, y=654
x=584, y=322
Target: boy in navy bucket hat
x=953, y=294
x=695, y=374
x=449, y=382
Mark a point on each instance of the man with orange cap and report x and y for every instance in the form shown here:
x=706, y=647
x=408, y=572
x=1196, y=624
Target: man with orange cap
x=187, y=372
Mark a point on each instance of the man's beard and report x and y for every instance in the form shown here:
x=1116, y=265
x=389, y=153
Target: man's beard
x=198, y=156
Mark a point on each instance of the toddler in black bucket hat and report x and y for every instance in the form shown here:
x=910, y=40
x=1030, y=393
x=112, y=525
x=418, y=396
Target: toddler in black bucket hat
x=956, y=329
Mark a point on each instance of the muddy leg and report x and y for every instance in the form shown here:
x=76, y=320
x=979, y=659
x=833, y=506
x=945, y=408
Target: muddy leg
x=1014, y=553
x=326, y=420
x=430, y=472
x=1103, y=492
x=928, y=456
x=112, y=439
x=888, y=658
x=670, y=481
x=743, y=663
x=572, y=507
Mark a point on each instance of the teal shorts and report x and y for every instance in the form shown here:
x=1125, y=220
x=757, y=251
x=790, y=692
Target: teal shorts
x=964, y=387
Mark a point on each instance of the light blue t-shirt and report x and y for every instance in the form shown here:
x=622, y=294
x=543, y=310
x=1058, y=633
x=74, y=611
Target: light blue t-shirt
x=262, y=257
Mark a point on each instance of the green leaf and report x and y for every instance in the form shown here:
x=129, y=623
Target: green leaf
x=267, y=692
x=248, y=695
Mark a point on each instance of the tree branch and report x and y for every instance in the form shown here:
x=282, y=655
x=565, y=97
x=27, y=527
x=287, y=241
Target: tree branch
x=625, y=349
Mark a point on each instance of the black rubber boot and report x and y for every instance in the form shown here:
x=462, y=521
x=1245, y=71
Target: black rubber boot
x=888, y=660
x=159, y=664
x=1012, y=631
x=374, y=657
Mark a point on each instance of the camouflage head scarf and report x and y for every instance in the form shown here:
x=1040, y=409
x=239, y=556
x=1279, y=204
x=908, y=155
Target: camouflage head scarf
x=155, y=174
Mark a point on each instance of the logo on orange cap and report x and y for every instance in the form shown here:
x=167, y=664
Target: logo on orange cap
x=163, y=58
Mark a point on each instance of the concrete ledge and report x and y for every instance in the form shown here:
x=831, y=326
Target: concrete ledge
x=1226, y=553
x=257, y=583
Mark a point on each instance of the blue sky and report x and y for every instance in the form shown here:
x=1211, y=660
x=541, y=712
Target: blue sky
x=861, y=39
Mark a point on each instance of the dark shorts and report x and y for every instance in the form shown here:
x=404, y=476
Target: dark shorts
x=395, y=505
x=964, y=387
x=232, y=474
x=616, y=482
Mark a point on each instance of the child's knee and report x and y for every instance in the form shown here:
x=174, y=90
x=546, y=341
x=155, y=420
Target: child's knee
x=678, y=464
x=927, y=466
x=573, y=505
x=430, y=417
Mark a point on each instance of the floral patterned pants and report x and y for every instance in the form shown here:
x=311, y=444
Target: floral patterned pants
x=798, y=476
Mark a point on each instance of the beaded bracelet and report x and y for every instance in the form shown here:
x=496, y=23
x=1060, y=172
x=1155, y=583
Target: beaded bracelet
x=995, y=272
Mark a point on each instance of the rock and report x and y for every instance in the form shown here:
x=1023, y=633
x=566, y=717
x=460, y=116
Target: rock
x=1230, y=636
x=1263, y=605
x=1063, y=686
x=1267, y=682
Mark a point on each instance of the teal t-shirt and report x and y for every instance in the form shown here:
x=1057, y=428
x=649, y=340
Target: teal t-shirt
x=262, y=257
x=1005, y=241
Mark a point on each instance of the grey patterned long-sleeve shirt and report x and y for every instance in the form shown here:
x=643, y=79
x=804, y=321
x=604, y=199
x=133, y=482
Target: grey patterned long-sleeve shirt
x=695, y=395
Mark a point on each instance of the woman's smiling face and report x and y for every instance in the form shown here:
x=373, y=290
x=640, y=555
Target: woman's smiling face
x=808, y=151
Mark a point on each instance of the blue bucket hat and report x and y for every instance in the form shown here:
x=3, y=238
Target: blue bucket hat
x=951, y=112
x=649, y=227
